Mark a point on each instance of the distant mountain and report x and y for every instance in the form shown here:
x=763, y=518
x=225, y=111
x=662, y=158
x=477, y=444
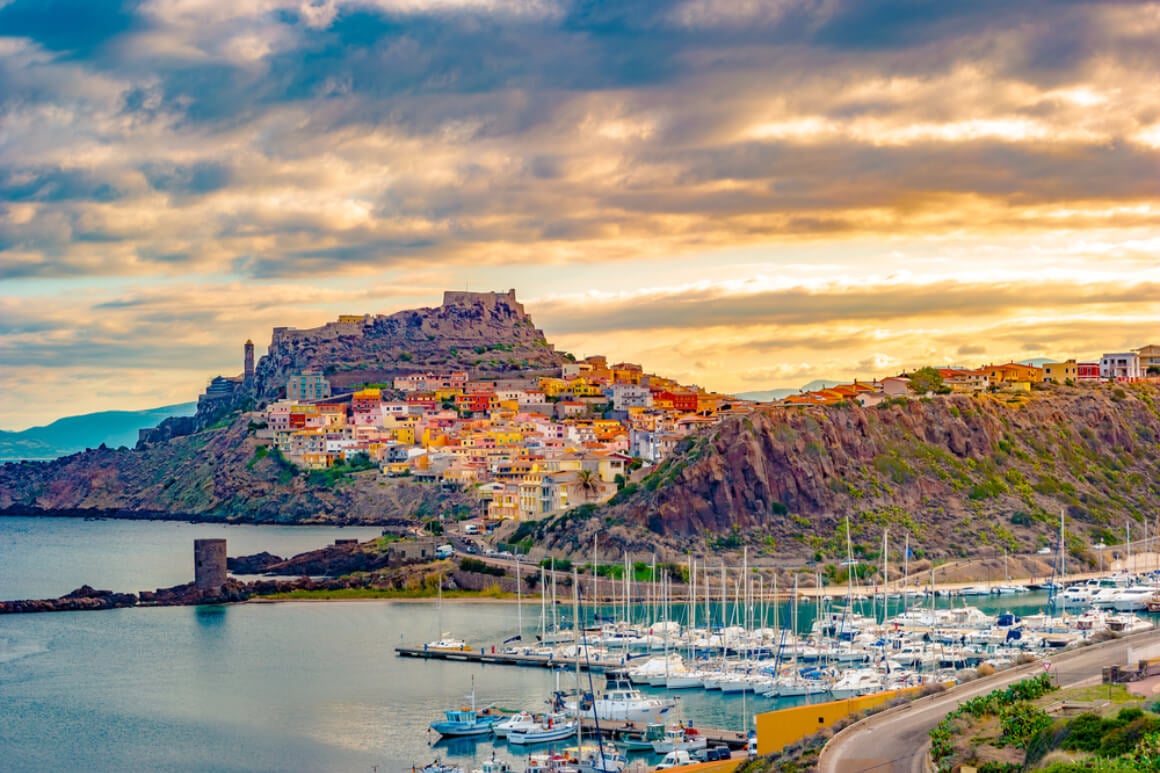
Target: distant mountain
x=777, y=394
x=76, y=433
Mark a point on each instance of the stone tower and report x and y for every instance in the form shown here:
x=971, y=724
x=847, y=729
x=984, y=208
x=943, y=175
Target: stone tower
x=249, y=361
x=209, y=564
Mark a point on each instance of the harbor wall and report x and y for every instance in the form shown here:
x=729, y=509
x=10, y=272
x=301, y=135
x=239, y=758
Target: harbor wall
x=778, y=729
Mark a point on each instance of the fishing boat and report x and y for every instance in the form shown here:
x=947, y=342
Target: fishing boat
x=551, y=762
x=493, y=766
x=466, y=721
x=552, y=727
x=680, y=738
x=642, y=739
x=436, y=767
x=604, y=758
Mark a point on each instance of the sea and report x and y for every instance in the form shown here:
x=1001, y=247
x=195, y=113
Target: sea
x=289, y=686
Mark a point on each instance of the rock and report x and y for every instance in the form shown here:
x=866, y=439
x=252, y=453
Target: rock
x=254, y=564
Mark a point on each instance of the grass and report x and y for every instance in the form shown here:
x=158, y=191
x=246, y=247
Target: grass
x=1115, y=693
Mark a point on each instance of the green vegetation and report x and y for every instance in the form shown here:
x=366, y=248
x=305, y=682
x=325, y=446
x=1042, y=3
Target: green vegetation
x=927, y=380
x=469, y=564
x=332, y=475
x=339, y=594
x=1128, y=739
x=1019, y=721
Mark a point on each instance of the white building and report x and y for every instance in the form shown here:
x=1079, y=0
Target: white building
x=625, y=396
x=1121, y=366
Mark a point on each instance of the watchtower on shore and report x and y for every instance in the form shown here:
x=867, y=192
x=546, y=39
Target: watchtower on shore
x=209, y=564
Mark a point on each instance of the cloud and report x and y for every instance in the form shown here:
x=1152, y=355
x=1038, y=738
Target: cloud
x=885, y=165
x=711, y=307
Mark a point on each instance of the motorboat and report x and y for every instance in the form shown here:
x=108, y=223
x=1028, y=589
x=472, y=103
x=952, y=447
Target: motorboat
x=621, y=703
x=604, y=758
x=552, y=727
x=446, y=643
x=525, y=720
x=680, y=738
x=857, y=681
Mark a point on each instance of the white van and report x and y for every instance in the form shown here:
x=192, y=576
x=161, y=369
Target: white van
x=445, y=551
x=471, y=528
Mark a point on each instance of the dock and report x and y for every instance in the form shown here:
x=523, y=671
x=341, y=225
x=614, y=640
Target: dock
x=716, y=736
x=509, y=659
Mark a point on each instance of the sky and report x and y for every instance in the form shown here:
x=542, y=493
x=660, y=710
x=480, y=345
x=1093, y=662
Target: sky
x=742, y=195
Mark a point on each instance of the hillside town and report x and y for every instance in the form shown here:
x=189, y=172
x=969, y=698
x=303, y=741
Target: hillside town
x=529, y=445
x=539, y=444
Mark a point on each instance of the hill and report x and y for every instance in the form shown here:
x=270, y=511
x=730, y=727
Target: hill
x=76, y=433
x=962, y=475
x=485, y=333
x=770, y=395
x=222, y=474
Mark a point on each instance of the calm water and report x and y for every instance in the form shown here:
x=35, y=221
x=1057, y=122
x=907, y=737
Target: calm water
x=48, y=557
x=256, y=687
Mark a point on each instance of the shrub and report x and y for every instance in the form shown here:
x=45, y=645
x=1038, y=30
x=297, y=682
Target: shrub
x=1124, y=739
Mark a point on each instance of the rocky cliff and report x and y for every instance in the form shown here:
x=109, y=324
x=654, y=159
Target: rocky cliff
x=487, y=334
x=962, y=475
x=218, y=474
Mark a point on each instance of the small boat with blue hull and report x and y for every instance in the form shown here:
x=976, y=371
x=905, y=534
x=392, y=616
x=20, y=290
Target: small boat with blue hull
x=466, y=721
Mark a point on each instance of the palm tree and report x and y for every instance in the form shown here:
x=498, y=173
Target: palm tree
x=587, y=483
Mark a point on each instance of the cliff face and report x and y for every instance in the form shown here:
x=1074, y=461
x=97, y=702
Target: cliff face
x=220, y=474
x=484, y=333
x=960, y=474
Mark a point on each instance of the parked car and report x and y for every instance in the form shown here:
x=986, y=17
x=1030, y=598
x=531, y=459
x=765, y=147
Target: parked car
x=712, y=754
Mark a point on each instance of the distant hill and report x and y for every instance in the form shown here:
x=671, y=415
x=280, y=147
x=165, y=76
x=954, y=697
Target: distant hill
x=76, y=433
x=777, y=394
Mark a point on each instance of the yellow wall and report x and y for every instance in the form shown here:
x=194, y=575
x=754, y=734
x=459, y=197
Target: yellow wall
x=724, y=766
x=778, y=729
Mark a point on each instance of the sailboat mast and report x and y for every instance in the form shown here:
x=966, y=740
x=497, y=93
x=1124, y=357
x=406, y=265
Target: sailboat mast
x=692, y=598
x=576, y=654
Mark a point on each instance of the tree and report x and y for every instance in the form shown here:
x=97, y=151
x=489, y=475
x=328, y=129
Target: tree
x=587, y=483
x=926, y=380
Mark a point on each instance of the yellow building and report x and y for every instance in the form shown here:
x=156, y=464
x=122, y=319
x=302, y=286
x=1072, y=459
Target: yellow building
x=1059, y=372
x=582, y=387
x=445, y=394
x=552, y=387
x=1149, y=358
x=404, y=436
x=1013, y=371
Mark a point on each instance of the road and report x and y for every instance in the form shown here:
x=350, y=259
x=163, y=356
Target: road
x=896, y=741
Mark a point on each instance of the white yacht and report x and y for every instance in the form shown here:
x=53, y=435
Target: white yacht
x=621, y=703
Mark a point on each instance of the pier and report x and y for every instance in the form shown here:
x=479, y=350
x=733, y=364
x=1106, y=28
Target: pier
x=715, y=736
x=509, y=659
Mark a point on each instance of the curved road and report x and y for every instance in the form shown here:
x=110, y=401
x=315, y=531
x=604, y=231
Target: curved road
x=896, y=741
